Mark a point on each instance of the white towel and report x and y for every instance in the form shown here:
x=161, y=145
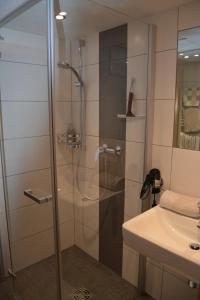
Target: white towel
x=182, y=204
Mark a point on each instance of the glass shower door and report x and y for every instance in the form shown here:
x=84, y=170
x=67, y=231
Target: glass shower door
x=26, y=155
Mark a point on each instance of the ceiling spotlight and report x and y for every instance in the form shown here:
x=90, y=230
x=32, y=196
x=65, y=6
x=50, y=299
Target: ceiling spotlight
x=197, y=55
x=59, y=17
x=186, y=56
x=63, y=13
x=181, y=54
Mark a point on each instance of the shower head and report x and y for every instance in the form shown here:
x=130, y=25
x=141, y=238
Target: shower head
x=67, y=66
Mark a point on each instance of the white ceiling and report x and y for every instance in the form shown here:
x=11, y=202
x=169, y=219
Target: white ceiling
x=140, y=8
x=86, y=16
x=6, y=6
x=189, y=40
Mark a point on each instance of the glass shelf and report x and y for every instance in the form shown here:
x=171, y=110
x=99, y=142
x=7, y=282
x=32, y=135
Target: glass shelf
x=120, y=116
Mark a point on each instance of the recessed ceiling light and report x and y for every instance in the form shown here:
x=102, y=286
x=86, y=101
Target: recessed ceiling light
x=63, y=13
x=186, y=56
x=59, y=17
x=181, y=54
x=196, y=55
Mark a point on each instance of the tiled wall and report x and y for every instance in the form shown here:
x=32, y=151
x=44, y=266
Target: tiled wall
x=179, y=168
x=24, y=96
x=135, y=137
x=87, y=213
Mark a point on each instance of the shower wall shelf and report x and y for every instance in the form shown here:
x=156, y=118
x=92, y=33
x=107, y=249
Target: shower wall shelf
x=130, y=118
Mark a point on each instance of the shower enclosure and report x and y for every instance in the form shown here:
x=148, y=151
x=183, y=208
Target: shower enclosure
x=72, y=162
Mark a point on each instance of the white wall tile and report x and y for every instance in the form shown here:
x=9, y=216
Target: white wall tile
x=90, y=76
x=153, y=281
x=29, y=154
x=137, y=38
x=23, y=82
x=134, y=161
x=87, y=240
x=65, y=179
x=2, y=201
x=38, y=180
x=90, y=52
x=135, y=130
x=76, y=107
x=189, y=15
x=63, y=116
x=4, y=242
x=176, y=289
x=63, y=154
x=166, y=29
x=67, y=234
x=133, y=202
x=130, y=265
x=137, y=70
x=165, y=75
x=92, y=118
x=88, y=155
x=91, y=49
x=25, y=47
x=29, y=251
x=91, y=81
x=161, y=159
x=25, y=119
x=65, y=205
x=30, y=220
x=63, y=84
x=87, y=212
x=163, y=122
x=185, y=172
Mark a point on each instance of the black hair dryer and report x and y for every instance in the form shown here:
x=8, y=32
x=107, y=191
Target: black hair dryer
x=152, y=184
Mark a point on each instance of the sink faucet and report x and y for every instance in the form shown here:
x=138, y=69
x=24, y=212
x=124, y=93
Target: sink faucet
x=198, y=205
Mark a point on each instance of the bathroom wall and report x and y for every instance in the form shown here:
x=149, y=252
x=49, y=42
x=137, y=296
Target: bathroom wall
x=87, y=213
x=179, y=168
x=24, y=95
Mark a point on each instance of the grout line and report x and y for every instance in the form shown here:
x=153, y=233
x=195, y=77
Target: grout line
x=135, y=181
x=165, y=50
x=30, y=171
x=24, y=101
x=42, y=231
x=165, y=146
x=23, y=63
x=26, y=137
x=137, y=55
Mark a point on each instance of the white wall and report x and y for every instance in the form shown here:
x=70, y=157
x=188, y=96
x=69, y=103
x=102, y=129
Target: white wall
x=135, y=137
x=87, y=213
x=24, y=94
x=179, y=168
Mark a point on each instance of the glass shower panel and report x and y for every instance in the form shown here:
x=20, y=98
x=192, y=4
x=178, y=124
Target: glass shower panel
x=97, y=65
x=26, y=151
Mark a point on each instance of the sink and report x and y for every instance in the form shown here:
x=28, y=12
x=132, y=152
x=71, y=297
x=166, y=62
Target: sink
x=166, y=236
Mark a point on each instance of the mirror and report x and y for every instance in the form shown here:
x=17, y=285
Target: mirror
x=187, y=109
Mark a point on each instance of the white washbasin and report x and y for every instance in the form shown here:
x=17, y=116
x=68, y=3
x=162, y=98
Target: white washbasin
x=166, y=237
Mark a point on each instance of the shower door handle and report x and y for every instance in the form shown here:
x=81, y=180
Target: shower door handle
x=40, y=199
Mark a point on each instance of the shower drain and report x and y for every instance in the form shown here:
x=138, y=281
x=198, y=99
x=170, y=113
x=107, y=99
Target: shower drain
x=81, y=294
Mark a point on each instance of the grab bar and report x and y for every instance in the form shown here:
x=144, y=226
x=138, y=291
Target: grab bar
x=38, y=199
